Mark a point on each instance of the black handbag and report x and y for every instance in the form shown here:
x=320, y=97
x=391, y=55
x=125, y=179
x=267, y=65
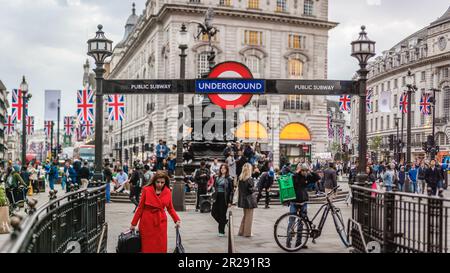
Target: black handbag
x=129, y=242
x=179, y=249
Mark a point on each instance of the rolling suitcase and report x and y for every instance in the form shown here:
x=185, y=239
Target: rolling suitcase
x=129, y=242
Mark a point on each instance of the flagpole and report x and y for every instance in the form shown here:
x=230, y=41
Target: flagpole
x=57, y=133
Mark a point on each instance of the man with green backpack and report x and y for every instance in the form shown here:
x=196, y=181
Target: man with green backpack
x=15, y=185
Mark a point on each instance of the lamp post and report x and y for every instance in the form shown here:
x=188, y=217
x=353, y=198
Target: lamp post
x=411, y=88
x=99, y=48
x=397, y=142
x=25, y=98
x=178, y=189
x=362, y=49
x=433, y=101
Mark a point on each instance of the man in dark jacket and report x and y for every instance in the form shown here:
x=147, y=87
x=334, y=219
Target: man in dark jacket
x=201, y=178
x=83, y=175
x=240, y=162
x=136, y=182
x=433, y=178
x=301, y=193
x=330, y=177
x=107, y=176
x=265, y=182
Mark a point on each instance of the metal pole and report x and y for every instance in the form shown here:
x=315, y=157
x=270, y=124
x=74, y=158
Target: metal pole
x=51, y=142
x=401, y=137
x=409, y=127
x=24, y=128
x=362, y=177
x=433, y=151
x=179, y=201
x=121, y=142
x=57, y=126
x=99, y=72
x=397, y=142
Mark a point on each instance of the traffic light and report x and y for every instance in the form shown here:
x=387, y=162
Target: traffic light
x=391, y=142
x=430, y=141
x=59, y=149
x=425, y=146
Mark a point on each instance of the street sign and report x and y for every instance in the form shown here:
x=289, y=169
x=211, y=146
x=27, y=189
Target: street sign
x=311, y=87
x=232, y=86
x=230, y=70
x=134, y=87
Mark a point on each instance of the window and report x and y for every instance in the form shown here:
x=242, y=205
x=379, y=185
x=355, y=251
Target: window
x=403, y=81
x=281, y=6
x=395, y=101
x=371, y=125
x=205, y=38
x=388, y=122
x=296, y=102
x=376, y=106
x=225, y=2
x=202, y=64
x=445, y=72
x=381, y=123
x=446, y=101
x=253, y=38
x=253, y=4
x=396, y=83
x=413, y=98
x=254, y=64
x=296, y=41
x=194, y=1
x=423, y=75
x=389, y=85
x=422, y=119
x=308, y=7
x=376, y=124
x=382, y=87
x=295, y=68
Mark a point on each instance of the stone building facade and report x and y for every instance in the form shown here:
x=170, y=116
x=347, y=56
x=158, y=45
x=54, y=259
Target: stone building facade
x=427, y=54
x=275, y=39
x=4, y=105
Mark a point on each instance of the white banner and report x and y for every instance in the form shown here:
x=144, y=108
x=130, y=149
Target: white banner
x=51, y=104
x=384, y=102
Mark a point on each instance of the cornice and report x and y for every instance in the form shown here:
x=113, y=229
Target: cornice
x=404, y=68
x=168, y=9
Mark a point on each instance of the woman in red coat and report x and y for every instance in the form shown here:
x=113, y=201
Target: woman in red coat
x=151, y=214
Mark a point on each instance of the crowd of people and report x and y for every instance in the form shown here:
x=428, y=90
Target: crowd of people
x=421, y=177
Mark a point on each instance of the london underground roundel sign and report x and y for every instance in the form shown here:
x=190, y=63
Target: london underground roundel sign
x=230, y=70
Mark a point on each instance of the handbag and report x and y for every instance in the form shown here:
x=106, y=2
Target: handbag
x=179, y=249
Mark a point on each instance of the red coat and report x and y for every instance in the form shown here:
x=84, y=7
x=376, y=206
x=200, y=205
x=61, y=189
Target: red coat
x=152, y=219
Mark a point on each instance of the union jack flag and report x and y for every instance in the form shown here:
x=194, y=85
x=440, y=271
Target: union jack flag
x=330, y=128
x=404, y=103
x=48, y=128
x=116, y=107
x=9, y=126
x=85, y=102
x=16, y=105
x=69, y=125
x=87, y=128
x=30, y=126
x=341, y=132
x=345, y=103
x=425, y=104
x=369, y=94
x=78, y=130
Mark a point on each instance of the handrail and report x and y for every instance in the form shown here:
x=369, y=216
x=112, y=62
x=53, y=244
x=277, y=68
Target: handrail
x=23, y=229
x=405, y=194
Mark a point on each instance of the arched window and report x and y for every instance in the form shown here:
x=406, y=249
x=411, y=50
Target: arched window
x=308, y=7
x=442, y=139
x=295, y=69
x=254, y=64
x=202, y=64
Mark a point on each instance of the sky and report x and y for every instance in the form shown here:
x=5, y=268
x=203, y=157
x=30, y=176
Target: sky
x=45, y=40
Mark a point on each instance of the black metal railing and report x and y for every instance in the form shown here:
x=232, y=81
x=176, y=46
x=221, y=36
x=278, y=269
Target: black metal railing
x=72, y=223
x=401, y=222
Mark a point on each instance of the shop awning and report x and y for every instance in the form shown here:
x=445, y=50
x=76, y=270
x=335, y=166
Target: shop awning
x=251, y=130
x=296, y=132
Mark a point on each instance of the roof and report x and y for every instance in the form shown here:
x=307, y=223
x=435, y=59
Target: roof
x=129, y=26
x=443, y=18
x=2, y=87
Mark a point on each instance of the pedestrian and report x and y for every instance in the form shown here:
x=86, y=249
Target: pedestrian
x=401, y=179
x=240, y=161
x=151, y=215
x=223, y=197
x=215, y=167
x=15, y=185
x=301, y=197
x=421, y=182
x=388, y=177
x=433, y=177
x=25, y=176
x=136, y=182
x=413, y=174
x=147, y=174
x=83, y=175
x=161, y=154
x=201, y=178
x=121, y=182
x=265, y=183
x=33, y=177
x=53, y=174
x=247, y=200
x=107, y=175
x=172, y=160
x=330, y=177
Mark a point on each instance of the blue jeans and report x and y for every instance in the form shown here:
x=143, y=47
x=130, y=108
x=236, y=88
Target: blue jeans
x=108, y=192
x=388, y=188
x=52, y=183
x=401, y=187
x=414, y=188
x=293, y=210
x=63, y=182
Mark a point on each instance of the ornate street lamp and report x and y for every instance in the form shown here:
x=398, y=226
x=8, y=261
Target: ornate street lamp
x=178, y=190
x=362, y=49
x=25, y=97
x=411, y=89
x=99, y=48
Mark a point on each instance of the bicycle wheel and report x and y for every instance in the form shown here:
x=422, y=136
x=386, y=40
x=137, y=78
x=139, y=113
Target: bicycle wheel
x=340, y=226
x=291, y=232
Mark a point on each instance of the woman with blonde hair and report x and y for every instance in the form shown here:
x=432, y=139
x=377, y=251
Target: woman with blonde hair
x=247, y=199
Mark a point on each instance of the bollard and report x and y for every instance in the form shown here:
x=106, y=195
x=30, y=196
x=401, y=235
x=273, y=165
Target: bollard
x=231, y=248
x=32, y=203
x=15, y=222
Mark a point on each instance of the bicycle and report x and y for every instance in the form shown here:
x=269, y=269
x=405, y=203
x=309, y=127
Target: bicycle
x=15, y=206
x=299, y=228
